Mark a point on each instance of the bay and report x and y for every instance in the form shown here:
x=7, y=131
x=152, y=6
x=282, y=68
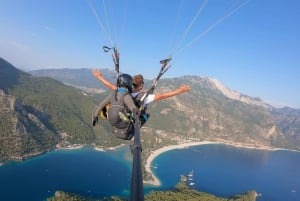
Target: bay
x=218, y=169
x=226, y=170
x=86, y=172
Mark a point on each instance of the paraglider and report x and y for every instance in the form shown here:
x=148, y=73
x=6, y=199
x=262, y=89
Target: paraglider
x=122, y=108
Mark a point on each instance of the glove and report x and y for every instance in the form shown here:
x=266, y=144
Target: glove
x=95, y=121
x=144, y=117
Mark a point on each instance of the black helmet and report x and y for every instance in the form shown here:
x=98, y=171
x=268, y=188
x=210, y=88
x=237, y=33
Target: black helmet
x=125, y=80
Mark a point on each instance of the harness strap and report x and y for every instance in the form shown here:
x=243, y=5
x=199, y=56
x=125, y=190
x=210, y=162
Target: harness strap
x=115, y=57
x=162, y=71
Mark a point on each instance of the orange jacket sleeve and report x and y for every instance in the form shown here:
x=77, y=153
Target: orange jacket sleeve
x=100, y=77
x=181, y=89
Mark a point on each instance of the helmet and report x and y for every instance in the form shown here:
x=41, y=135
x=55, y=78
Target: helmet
x=125, y=80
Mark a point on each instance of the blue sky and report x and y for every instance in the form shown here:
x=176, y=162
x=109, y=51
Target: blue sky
x=255, y=50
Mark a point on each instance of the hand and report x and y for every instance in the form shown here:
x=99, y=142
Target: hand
x=97, y=73
x=95, y=121
x=184, y=88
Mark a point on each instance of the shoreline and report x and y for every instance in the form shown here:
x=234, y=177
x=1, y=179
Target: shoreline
x=155, y=181
x=155, y=153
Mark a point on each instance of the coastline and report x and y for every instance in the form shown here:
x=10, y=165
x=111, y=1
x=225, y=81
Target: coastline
x=184, y=168
x=80, y=146
x=155, y=153
x=154, y=180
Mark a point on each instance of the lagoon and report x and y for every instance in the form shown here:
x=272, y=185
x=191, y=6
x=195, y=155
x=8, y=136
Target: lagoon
x=85, y=171
x=225, y=170
x=218, y=169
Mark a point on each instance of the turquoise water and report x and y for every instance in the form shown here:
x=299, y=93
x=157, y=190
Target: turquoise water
x=86, y=171
x=225, y=170
x=218, y=169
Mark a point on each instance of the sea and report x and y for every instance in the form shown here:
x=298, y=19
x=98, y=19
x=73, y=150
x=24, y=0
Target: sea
x=217, y=169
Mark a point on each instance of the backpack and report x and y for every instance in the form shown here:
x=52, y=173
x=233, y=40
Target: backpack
x=118, y=116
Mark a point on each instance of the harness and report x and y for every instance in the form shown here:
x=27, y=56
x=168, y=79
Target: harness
x=119, y=115
x=141, y=97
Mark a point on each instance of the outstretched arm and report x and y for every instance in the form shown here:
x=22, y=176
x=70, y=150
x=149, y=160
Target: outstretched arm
x=100, y=77
x=181, y=89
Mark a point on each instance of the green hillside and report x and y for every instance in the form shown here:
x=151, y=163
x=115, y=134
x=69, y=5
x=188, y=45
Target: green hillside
x=180, y=193
x=38, y=113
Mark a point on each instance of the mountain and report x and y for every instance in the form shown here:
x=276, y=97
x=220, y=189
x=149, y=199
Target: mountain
x=38, y=113
x=236, y=95
x=75, y=77
x=210, y=111
x=288, y=121
x=41, y=113
x=82, y=78
x=9, y=75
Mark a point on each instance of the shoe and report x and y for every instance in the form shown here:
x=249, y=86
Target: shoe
x=95, y=121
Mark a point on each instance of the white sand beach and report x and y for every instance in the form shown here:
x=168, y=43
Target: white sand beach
x=157, y=152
